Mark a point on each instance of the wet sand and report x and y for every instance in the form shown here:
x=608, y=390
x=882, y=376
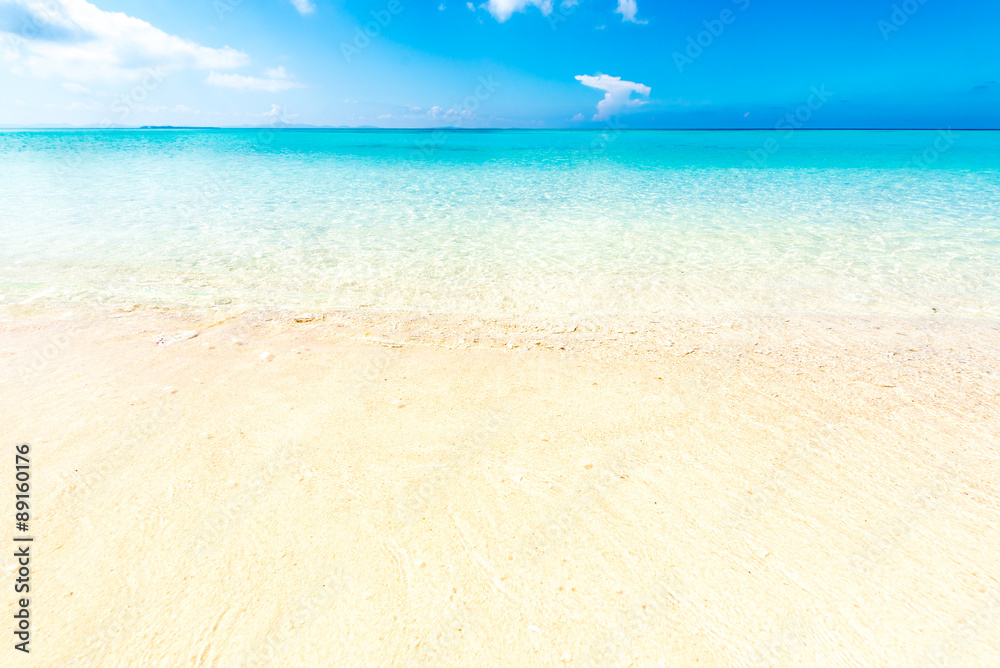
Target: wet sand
x=343, y=488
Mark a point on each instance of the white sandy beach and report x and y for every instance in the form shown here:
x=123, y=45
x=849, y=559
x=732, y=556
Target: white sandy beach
x=384, y=490
x=354, y=489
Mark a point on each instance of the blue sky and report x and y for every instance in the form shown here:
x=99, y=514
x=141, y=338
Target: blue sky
x=501, y=63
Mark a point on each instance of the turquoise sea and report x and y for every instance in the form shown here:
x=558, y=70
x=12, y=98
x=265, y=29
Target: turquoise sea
x=505, y=223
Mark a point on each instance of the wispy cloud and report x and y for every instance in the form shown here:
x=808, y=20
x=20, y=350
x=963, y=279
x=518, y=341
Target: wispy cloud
x=76, y=88
x=276, y=72
x=78, y=41
x=270, y=84
x=84, y=106
x=618, y=94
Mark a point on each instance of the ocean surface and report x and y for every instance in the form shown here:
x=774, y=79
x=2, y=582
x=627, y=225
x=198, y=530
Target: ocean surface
x=505, y=223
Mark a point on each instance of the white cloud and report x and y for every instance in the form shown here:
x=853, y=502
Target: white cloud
x=276, y=72
x=436, y=113
x=75, y=40
x=504, y=9
x=618, y=94
x=578, y=118
x=177, y=109
x=77, y=88
x=304, y=6
x=628, y=8
x=278, y=115
x=441, y=114
x=245, y=83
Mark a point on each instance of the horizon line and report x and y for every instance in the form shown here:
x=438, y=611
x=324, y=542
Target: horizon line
x=486, y=129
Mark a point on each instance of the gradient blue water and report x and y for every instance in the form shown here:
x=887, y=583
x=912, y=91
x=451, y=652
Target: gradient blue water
x=505, y=223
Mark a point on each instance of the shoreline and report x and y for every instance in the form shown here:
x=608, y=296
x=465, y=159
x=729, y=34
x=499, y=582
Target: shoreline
x=428, y=327
x=748, y=491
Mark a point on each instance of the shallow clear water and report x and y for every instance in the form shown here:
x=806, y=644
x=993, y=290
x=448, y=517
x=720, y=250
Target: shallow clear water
x=505, y=223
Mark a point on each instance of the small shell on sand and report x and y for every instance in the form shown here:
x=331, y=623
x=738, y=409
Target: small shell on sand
x=180, y=336
x=266, y=356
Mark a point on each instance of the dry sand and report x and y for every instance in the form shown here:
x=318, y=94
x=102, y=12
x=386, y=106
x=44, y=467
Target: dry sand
x=394, y=490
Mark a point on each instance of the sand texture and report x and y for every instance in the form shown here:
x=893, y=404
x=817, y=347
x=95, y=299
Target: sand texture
x=257, y=490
